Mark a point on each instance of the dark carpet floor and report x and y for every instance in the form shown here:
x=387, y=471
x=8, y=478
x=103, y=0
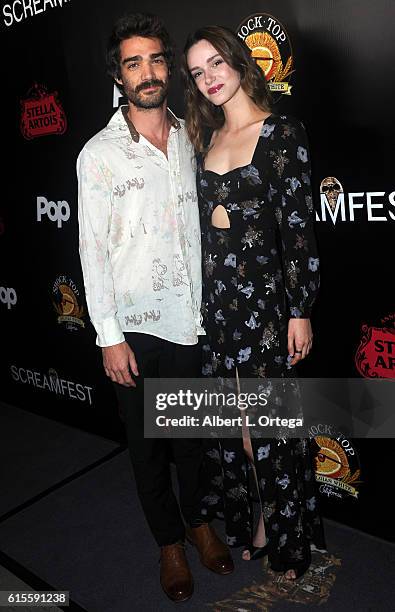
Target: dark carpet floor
x=87, y=535
x=36, y=453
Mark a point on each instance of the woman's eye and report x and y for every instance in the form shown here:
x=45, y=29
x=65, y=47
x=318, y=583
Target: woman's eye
x=218, y=62
x=196, y=75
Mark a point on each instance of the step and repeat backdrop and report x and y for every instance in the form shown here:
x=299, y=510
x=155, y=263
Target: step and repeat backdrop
x=329, y=63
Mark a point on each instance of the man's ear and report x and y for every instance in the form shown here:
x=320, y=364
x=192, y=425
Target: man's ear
x=118, y=81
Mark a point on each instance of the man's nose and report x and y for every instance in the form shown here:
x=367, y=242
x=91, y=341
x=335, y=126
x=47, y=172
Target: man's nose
x=147, y=72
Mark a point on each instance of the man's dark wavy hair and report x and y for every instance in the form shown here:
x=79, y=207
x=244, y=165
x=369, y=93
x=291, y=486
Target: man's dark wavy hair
x=137, y=24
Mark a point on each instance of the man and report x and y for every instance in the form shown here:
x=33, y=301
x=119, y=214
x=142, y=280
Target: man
x=140, y=254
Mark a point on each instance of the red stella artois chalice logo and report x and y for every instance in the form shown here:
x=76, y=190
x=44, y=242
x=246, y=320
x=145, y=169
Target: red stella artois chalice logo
x=42, y=113
x=375, y=356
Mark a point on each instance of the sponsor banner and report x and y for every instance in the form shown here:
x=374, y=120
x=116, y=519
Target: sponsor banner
x=20, y=10
x=375, y=355
x=66, y=302
x=336, y=205
x=270, y=47
x=53, y=383
x=42, y=114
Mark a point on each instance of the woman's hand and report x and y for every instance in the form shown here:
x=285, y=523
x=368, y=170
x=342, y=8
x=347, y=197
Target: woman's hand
x=300, y=339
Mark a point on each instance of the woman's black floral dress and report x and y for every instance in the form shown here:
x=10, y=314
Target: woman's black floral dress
x=256, y=275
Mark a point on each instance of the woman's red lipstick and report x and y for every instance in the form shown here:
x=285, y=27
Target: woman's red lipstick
x=216, y=88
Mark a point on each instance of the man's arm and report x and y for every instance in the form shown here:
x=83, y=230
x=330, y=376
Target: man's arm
x=94, y=213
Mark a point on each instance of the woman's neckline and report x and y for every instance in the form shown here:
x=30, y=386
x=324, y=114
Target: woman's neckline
x=253, y=155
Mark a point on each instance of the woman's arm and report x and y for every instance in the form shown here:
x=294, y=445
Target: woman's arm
x=290, y=163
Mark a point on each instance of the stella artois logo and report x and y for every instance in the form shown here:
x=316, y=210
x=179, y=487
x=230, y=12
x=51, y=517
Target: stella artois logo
x=42, y=113
x=375, y=356
x=337, y=468
x=65, y=296
x=270, y=47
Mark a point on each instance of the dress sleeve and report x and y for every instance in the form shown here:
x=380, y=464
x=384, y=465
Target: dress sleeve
x=290, y=170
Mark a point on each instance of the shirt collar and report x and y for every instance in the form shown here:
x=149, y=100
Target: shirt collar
x=135, y=134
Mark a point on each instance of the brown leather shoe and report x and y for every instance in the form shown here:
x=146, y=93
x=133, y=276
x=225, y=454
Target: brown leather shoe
x=214, y=554
x=175, y=576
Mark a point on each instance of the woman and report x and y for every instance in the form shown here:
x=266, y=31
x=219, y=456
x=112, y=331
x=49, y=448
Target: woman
x=260, y=271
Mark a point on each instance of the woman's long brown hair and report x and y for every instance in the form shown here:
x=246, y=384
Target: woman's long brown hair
x=201, y=114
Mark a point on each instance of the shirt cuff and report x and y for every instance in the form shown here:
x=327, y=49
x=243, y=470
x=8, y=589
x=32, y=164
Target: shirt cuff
x=109, y=332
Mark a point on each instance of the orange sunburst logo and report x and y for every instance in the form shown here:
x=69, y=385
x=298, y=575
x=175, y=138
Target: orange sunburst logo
x=333, y=469
x=270, y=46
x=65, y=300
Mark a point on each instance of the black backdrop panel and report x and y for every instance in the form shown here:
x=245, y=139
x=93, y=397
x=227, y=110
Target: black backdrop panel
x=342, y=88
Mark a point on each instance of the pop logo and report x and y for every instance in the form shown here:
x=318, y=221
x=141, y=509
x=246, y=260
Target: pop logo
x=56, y=211
x=8, y=296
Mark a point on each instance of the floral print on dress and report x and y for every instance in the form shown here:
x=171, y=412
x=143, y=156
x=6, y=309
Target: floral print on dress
x=257, y=274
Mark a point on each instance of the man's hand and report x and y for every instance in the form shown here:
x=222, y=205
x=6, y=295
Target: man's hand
x=300, y=339
x=118, y=361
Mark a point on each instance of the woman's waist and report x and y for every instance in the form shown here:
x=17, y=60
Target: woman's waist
x=253, y=263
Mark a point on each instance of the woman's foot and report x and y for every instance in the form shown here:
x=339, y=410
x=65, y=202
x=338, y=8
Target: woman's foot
x=290, y=574
x=257, y=550
x=297, y=571
x=253, y=553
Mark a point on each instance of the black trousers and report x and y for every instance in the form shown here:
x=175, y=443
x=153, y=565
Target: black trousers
x=151, y=458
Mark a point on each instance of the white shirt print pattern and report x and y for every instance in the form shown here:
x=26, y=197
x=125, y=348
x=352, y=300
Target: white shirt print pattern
x=140, y=235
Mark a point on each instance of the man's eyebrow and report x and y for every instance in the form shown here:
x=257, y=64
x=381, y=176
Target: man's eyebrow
x=138, y=58
x=208, y=60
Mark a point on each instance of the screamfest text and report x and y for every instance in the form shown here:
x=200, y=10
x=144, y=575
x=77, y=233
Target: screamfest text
x=19, y=10
x=51, y=382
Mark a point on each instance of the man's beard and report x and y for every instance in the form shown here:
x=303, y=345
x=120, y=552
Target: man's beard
x=141, y=100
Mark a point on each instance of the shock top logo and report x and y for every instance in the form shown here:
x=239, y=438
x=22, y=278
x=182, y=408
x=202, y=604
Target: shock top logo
x=42, y=113
x=337, y=469
x=65, y=301
x=375, y=356
x=271, y=48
